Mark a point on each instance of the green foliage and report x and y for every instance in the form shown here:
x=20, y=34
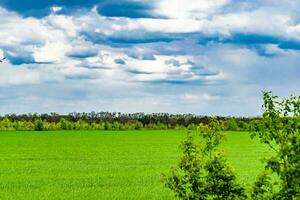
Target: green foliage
x=263, y=188
x=6, y=125
x=119, y=121
x=202, y=171
x=63, y=124
x=138, y=126
x=232, y=125
x=280, y=130
x=188, y=182
x=38, y=125
x=211, y=137
x=221, y=180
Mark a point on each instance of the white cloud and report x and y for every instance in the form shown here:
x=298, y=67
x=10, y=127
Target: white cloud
x=170, y=25
x=294, y=31
x=56, y=9
x=62, y=22
x=189, y=8
x=1, y=54
x=221, y=23
x=51, y=52
x=10, y=75
x=199, y=98
x=257, y=22
x=17, y=31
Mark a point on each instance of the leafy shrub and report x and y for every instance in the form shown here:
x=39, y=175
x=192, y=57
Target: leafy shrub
x=38, y=125
x=187, y=181
x=263, y=188
x=202, y=171
x=221, y=180
x=280, y=130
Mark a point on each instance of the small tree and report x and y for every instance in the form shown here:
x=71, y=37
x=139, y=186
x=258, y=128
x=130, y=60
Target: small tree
x=38, y=125
x=6, y=124
x=221, y=180
x=202, y=171
x=231, y=124
x=280, y=130
x=187, y=181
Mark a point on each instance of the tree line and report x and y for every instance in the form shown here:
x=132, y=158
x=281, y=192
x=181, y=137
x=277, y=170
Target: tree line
x=116, y=121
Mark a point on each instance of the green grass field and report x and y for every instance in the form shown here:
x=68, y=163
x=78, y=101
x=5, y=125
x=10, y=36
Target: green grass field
x=104, y=165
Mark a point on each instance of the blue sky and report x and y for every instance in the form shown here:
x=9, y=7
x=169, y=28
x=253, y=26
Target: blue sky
x=178, y=56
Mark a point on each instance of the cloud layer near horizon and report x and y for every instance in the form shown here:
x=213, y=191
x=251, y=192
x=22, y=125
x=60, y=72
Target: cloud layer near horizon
x=204, y=57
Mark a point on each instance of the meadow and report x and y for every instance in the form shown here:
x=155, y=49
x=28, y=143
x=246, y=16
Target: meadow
x=105, y=164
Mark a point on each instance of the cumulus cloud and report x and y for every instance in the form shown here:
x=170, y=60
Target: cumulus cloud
x=188, y=9
x=294, y=31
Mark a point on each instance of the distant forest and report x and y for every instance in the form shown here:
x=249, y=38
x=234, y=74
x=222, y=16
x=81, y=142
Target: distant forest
x=116, y=121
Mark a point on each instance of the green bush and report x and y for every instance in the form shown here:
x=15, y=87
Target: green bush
x=38, y=125
x=202, y=172
x=280, y=131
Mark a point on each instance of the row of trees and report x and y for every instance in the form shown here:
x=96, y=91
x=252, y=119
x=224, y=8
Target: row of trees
x=43, y=125
x=203, y=173
x=115, y=121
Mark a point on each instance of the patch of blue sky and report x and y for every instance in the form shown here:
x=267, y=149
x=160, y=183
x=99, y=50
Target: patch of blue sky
x=82, y=55
x=126, y=9
x=138, y=72
x=109, y=8
x=40, y=8
x=120, y=61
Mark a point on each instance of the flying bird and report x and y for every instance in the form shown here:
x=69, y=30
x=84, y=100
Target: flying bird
x=2, y=60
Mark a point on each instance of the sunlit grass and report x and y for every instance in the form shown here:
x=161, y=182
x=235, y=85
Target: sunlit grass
x=104, y=165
